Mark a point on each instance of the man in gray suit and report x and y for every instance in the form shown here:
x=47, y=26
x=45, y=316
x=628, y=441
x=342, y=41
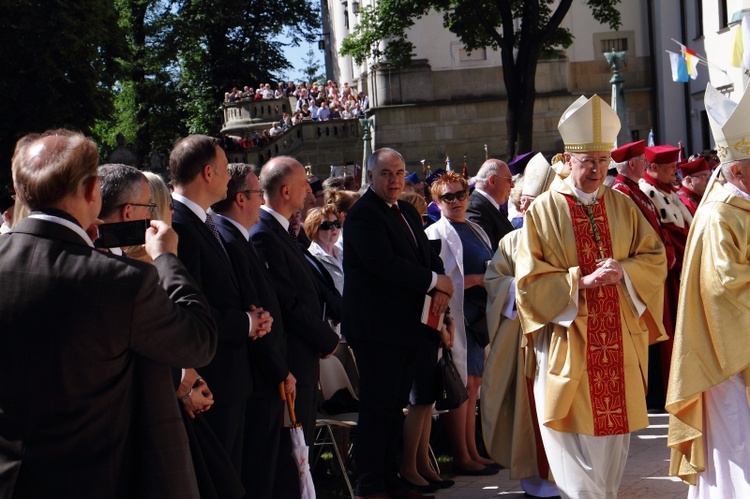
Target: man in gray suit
x=73, y=322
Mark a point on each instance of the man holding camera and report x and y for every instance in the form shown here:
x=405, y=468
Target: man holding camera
x=73, y=322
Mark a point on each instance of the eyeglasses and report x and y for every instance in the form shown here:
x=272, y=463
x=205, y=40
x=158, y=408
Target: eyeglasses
x=452, y=196
x=591, y=162
x=248, y=191
x=327, y=225
x=705, y=176
x=151, y=206
x=503, y=176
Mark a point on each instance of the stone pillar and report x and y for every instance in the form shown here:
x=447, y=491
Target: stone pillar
x=618, y=96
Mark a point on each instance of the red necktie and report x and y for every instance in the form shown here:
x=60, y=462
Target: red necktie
x=397, y=212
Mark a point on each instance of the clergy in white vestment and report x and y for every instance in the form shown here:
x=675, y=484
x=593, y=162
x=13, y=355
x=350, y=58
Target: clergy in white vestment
x=509, y=425
x=590, y=274
x=707, y=397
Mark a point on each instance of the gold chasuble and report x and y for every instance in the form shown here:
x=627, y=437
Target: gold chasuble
x=711, y=343
x=509, y=425
x=598, y=360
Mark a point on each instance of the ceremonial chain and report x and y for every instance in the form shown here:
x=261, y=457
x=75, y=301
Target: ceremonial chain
x=597, y=238
x=590, y=213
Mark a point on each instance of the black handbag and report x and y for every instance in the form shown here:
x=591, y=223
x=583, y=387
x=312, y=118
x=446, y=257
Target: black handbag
x=451, y=391
x=479, y=330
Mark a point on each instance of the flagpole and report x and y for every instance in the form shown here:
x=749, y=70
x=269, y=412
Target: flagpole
x=700, y=58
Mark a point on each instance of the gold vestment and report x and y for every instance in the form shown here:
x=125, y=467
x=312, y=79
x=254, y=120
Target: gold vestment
x=548, y=273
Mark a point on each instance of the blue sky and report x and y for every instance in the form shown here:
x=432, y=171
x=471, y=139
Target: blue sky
x=297, y=54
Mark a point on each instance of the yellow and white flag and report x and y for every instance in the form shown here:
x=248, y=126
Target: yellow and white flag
x=741, y=48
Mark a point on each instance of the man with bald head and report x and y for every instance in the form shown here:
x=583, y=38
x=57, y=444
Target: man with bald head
x=73, y=323
x=304, y=306
x=389, y=266
x=491, y=192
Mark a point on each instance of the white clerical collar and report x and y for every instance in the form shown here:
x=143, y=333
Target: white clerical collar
x=733, y=189
x=199, y=212
x=283, y=221
x=488, y=197
x=66, y=223
x=245, y=233
x=583, y=197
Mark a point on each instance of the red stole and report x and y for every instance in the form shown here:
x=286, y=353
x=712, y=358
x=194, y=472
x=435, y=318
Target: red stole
x=690, y=199
x=605, y=358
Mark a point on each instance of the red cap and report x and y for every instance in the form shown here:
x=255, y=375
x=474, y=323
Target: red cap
x=629, y=151
x=662, y=154
x=693, y=167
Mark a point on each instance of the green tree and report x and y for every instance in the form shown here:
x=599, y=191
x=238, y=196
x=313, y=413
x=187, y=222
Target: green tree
x=218, y=45
x=312, y=67
x=184, y=54
x=523, y=31
x=60, y=62
x=147, y=112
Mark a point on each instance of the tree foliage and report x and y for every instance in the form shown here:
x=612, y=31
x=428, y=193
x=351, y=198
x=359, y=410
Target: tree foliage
x=312, y=68
x=522, y=30
x=151, y=70
x=219, y=45
x=60, y=60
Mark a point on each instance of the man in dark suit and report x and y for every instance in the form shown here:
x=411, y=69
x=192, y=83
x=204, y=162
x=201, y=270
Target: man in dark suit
x=234, y=217
x=389, y=267
x=126, y=197
x=491, y=192
x=198, y=167
x=73, y=322
x=309, y=336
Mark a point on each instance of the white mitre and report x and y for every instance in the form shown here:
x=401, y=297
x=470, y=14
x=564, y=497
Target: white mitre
x=729, y=124
x=537, y=176
x=589, y=125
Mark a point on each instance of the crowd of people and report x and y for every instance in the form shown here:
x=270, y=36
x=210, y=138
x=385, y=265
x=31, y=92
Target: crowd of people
x=314, y=102
x=570, y=308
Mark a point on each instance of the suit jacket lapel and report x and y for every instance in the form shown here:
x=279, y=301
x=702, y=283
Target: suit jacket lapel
x=201, y=228
x=274, y=224
x=498, y=215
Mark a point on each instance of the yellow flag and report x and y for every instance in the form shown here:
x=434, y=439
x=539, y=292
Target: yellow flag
x=737, y=48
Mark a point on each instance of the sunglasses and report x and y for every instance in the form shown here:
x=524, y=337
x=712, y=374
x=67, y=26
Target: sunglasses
x=328, y=225
x=452, y=196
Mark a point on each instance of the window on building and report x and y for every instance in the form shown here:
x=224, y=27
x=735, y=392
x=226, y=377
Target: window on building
x=723, y=14
x=698, y=18
x=614, y=44
x=477, y=58
x=473, y=56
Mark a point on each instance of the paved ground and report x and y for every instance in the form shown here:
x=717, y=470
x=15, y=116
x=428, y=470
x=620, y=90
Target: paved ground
x=645, y=474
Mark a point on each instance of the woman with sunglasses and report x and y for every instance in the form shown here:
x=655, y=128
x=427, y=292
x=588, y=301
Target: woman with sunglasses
x=322, y=227
x=465, y=251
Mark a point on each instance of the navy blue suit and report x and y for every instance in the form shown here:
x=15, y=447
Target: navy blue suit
x=229, y=375
x=264, y=413
x=308, y=336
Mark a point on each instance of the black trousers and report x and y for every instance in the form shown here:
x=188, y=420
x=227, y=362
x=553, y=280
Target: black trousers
x=263, y=421
x=386, y=374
